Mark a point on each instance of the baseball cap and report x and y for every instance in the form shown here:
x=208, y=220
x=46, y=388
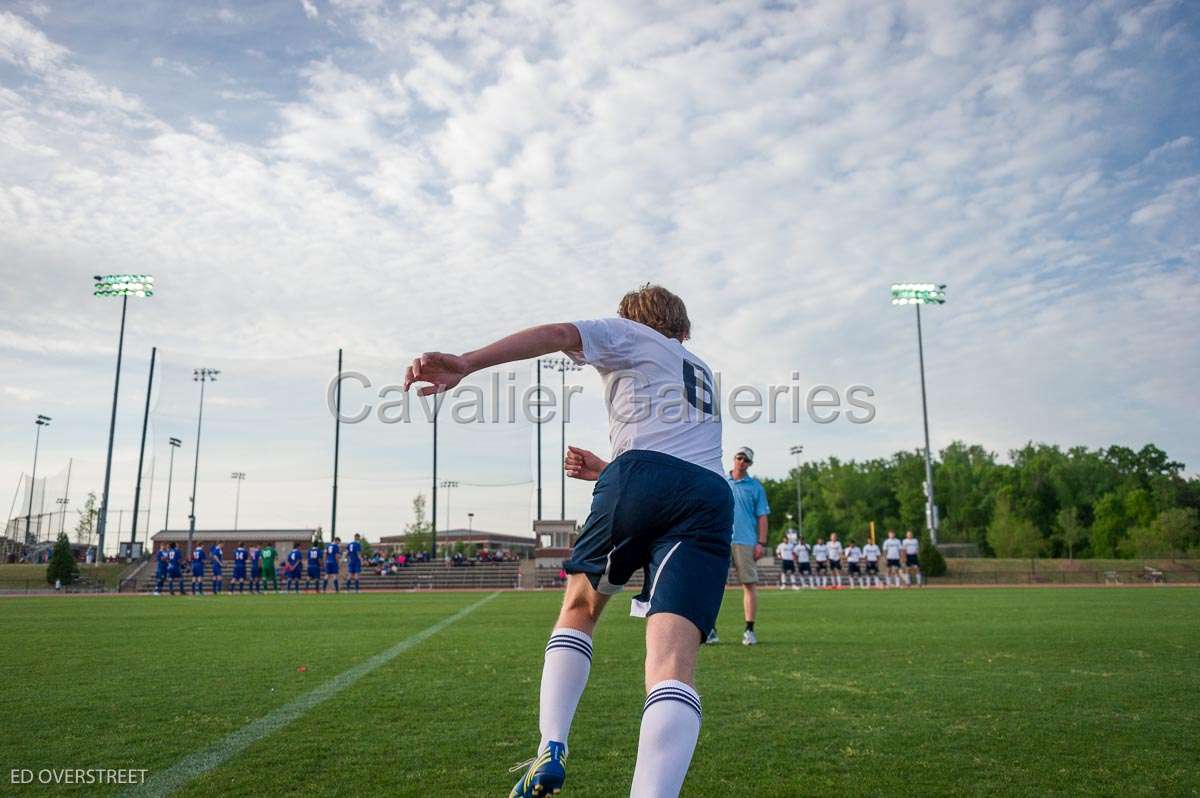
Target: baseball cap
x=748, y=452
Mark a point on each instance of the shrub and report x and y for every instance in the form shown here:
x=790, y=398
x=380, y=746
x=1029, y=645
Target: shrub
x=62, y=562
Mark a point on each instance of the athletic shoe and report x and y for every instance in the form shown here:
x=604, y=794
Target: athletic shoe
x=712, y=638
x=748, y=638
x=545, y=774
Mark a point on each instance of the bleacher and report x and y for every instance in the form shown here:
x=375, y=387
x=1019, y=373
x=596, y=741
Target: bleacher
x=418, y=576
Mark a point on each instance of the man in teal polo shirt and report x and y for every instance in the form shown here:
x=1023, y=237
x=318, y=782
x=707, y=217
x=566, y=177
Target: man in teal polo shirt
x=750, y=511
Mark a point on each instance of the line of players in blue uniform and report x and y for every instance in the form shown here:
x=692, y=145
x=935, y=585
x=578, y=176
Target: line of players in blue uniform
x=169, y=568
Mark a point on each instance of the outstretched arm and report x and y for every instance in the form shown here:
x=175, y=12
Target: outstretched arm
x=443, y=371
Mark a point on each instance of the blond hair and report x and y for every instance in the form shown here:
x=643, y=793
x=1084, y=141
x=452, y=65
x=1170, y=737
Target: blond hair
x=658, y=308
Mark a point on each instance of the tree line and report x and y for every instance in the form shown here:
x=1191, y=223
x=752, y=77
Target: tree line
x=1110, y=502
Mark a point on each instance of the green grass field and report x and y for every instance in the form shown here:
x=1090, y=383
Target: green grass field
x=935, y=692
x=33, y=577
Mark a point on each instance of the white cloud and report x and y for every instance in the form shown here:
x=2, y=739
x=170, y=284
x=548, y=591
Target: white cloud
x=473, y=168
x=310, y=9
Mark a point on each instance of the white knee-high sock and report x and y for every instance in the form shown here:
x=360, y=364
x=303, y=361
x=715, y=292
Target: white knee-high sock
x=564, y=675
x=670, y=728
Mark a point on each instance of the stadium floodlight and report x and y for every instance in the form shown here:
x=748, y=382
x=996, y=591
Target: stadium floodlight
x=797, y=451
x=448, y=484
x=40, y=421
x=563, y=365
x=919, y=294
x=175, y=443
x=470, y=523
x=124, y=286
x=201, y=375
x=240, y=476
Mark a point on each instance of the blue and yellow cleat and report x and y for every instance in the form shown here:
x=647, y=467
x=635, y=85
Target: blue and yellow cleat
x=545, y=774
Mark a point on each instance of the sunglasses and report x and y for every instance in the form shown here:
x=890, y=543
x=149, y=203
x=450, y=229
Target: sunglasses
x=740, y=457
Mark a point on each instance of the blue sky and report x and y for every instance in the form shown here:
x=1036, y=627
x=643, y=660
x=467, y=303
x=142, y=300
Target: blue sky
x=393, y=178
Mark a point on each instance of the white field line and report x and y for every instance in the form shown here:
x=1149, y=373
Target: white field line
x=206, y=759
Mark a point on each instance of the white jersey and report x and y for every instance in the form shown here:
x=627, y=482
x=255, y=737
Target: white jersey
x=853, y=554
x=871, y=552
x=821, y=552
x=835, y=551
x=803, y=551
x=911, y=546
x=660, y=396
x=891, y=548
x=785, y=551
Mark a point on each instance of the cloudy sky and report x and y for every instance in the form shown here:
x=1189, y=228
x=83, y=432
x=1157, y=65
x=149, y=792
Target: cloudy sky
x=392, y=178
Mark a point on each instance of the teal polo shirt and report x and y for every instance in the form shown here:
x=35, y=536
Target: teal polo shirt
x=749, y=502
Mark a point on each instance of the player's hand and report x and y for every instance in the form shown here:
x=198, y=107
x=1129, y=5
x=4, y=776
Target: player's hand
x=441, y=370
x=582, y=464
x=758, y=551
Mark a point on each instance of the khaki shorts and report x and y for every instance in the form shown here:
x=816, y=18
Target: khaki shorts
x=743, y=564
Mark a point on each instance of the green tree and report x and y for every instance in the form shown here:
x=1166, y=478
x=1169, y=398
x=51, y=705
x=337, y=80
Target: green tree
x=418, y=535
x=1071, y=534
x=87, y=521
x=1108, y=525
x=1010, y=535
x=1172, y=533
x=62, y=562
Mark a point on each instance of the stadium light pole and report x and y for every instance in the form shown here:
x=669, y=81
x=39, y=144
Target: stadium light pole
x=798, y=450
x=66, y=498
x=563, y=365
x=40, y=421
x=201, y=375
x=470, y=523
x=137, y=490
x=124, y=286
x=448, y=484
x=240, y=476
x=538, y=394
x=175, y=444
x=919, y=294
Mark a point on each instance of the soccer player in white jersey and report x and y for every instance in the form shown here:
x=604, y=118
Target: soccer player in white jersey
x=821, y=556
x=871, y=554
x=853, y=571
x=785, y=552
x=834, y=547
x=891, y=551
x=676, y=514
x=803, y=555
x=912, y=562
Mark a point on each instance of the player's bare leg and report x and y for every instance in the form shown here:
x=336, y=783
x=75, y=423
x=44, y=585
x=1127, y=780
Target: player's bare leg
x=671, y=716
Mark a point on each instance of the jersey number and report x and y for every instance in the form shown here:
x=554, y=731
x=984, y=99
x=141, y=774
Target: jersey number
x=698, y=387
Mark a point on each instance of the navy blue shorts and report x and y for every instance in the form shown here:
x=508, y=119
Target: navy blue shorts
x=314, y=572
x=852, y=568
x=331, y=567
x=197, y=569
x=651, y=510
x=239, y=573
x=872, y=567
x=293, y=575
x=805, y=568
x=256, y=572
x=788, y=566
x=216, y=568
x=912, y=562
x=174, y=572
x=354, y=566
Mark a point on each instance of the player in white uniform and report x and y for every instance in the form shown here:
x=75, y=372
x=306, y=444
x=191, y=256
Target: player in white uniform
x=675, y=522
x=891, y=551
x=912, y=565
x=854, y=573
x=871, y=554
x=803, y=554
x=785, y=552
x=821, y=556
x=835, y=559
